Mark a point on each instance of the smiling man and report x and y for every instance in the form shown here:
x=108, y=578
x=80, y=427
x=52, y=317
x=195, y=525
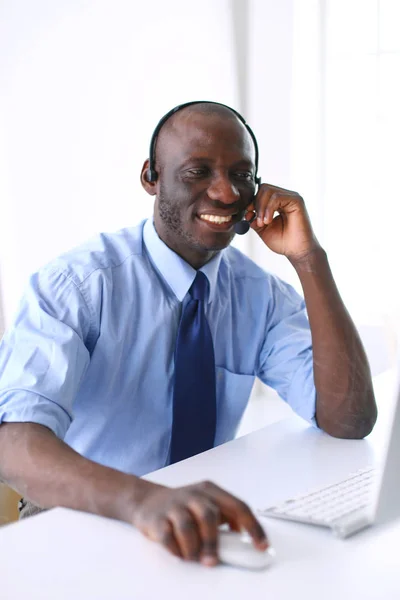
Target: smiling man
x=141, y=348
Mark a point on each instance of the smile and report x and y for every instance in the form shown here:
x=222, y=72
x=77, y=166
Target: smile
x=216, y=218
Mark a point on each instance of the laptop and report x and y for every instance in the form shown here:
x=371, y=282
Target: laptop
x=368, y=496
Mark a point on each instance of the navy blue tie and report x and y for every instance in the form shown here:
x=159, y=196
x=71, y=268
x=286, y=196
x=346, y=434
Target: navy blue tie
x=194, y=405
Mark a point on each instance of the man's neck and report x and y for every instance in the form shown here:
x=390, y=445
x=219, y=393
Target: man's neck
x=194, y=257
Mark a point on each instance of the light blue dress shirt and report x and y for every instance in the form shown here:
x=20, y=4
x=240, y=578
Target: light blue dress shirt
x=91, y=352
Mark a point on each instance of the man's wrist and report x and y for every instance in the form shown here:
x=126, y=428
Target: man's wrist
x=111, y=493
x=309, y=261
x=133, y=495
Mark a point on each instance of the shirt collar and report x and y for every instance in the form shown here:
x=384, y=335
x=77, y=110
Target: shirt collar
x=177, y=273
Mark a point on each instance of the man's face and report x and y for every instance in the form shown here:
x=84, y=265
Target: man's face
x=206, y=173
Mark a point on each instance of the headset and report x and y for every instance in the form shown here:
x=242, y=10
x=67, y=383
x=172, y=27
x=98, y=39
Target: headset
x=152, y=175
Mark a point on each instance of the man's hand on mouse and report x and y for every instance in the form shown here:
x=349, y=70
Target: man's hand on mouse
x=290, y=232
x=185, y=520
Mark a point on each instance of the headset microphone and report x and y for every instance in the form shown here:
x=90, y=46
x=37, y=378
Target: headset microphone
x=243, y=226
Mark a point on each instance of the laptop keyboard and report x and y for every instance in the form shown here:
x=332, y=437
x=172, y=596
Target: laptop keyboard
x=326, y=505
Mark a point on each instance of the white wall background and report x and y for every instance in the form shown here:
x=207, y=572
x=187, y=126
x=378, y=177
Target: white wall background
x=362, y=195
x=83, y=83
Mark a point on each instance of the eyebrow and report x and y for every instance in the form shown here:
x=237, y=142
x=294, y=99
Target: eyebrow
x=205, y=159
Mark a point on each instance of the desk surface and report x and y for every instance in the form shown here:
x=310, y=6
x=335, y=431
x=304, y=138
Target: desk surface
x=65, y=554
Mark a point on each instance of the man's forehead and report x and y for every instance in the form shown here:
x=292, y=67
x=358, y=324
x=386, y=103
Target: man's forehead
x=197, y=128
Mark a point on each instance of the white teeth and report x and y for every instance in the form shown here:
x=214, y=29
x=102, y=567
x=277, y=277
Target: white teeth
x=216, y=218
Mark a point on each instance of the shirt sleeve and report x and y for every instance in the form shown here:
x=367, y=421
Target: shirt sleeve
x=43, y=356
x=286, y=358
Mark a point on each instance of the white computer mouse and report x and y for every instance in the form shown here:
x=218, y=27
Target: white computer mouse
x=237, y=549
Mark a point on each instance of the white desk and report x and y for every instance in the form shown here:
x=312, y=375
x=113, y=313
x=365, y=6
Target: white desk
x=63, y=554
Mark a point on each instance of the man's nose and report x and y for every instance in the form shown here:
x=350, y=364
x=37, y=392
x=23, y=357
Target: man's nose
x=222, y=189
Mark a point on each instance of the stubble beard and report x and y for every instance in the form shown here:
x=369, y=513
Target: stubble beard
x=171, y=216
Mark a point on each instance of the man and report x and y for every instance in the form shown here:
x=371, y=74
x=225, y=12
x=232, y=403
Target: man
x=93, y=391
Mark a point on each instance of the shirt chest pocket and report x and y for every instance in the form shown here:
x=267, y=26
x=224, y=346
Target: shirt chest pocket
x=233, y=392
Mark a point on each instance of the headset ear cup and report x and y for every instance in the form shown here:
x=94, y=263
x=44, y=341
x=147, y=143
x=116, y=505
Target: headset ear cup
x=151, y=176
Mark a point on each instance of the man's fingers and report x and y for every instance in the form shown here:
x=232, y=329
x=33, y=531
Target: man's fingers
x=275, y=203
x=208, y=519
x=238, y=514
x=262, y=199
x=243, y=518
x=250, y=210
x=271, y=199
x=162, y=532
x=233, y=526
x=250, y=215
x=186, y=532
x=186, y=520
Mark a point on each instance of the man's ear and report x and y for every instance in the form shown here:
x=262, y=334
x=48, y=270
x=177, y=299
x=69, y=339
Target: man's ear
x=149, y=186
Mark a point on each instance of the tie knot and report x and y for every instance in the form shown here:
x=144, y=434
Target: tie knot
x=199, y=288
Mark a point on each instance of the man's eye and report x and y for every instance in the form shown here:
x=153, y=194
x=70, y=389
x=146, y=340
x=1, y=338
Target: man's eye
x=197, y=172
x=244, y=175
